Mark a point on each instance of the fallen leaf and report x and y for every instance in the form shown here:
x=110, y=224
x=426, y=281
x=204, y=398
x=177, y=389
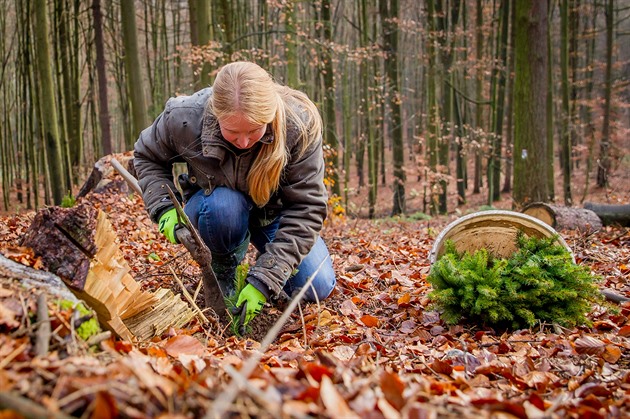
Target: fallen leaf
x=369, y=320
x=624, y=331
x=404, y=300
x=333, y=401
x=589, y=345
x=183, y=344
x=393, y=388
x=611, y=354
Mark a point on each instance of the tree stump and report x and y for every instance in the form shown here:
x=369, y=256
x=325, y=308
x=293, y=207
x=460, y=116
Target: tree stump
x=101, y=179
x=564, y=218
x=611, y=214
x=79, y=246
x=494, y=231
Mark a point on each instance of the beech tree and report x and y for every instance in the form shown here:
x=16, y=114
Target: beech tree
x=530, y=96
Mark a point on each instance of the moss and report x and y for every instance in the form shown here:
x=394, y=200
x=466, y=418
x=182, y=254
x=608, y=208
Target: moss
x=89, y=326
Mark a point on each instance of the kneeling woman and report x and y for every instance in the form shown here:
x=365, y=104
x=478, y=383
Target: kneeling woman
x=255, y=163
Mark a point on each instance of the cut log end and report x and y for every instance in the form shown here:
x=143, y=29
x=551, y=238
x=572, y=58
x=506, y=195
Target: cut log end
x=565, y=218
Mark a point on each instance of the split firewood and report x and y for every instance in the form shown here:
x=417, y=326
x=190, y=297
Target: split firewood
x=79, y=245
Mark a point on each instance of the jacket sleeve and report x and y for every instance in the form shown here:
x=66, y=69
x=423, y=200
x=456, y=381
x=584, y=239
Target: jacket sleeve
x=304, y=199
x=154, y=155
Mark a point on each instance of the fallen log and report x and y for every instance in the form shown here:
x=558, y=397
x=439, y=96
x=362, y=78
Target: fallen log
x=79, y=246
x=611, y=214
x=34, y=279
x=564, y=218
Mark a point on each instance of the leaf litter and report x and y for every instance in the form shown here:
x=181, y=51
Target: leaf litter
x=374, y=348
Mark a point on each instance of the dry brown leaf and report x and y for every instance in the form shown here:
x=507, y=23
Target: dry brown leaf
x=333, y=401
x=369, y=320
x=393, y=387
x=589, y=345
x=183, y=344
x=612, y=354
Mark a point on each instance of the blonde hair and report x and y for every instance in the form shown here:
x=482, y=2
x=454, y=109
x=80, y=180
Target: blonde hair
x=247, y=88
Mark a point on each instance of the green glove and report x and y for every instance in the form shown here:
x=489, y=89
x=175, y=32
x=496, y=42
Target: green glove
x=168, y=224
x=252, y=301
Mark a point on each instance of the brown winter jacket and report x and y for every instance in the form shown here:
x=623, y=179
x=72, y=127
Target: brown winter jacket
x=184, y=132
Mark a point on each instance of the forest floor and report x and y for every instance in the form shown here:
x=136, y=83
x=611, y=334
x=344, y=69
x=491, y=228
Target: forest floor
x=374, y=348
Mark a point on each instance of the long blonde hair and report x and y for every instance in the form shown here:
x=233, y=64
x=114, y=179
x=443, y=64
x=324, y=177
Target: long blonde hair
x=247, y=88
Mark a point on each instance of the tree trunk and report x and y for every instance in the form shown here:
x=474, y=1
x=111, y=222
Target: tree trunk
x=479, y=35
x=48, y=106
x=530, y=93
x=103, y=103
x=330, y=116
x=603, y=168
x=140, y=115
x=498, y=100
x=389, y=14
x=203, y=36
x=565, y=140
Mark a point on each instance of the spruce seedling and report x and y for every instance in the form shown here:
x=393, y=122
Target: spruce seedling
x=539, y=281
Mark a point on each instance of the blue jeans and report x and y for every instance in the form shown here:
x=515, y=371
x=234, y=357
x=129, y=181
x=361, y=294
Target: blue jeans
x=223, y=221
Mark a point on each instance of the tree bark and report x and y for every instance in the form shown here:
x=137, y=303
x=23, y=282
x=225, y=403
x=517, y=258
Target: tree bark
x=530, y=93
x=140, y=115
x=103, y=104
x=330, y=116
x=603, y=168
x=48, y=107
x=611, y=214
x=389, y=12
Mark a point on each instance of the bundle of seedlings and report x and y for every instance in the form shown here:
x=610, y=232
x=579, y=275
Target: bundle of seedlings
x=538, y=282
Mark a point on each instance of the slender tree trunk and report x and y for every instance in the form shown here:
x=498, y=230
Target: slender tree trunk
x=479, y=90
x=565, y=139
x=140, y=115
x=530, y=93
x=367, y=102
x=291, y=42
x=509, y=130
x=550, y=114
x=433, y=119
x=603, y=168
x=103, y=114
x=48, y=106
x=390, y=30
x=203, y=36
x=499, y=81
x=330, y=117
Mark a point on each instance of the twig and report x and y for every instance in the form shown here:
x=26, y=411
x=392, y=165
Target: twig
x=42, y=341
x=303, y=326
x=27, y=408
x=98, y=338
x=4, y=362
x=225, y=399
x=196, y=308
x=197, y=290
x=83, y=392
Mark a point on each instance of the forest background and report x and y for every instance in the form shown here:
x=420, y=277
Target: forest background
x=427, y=104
